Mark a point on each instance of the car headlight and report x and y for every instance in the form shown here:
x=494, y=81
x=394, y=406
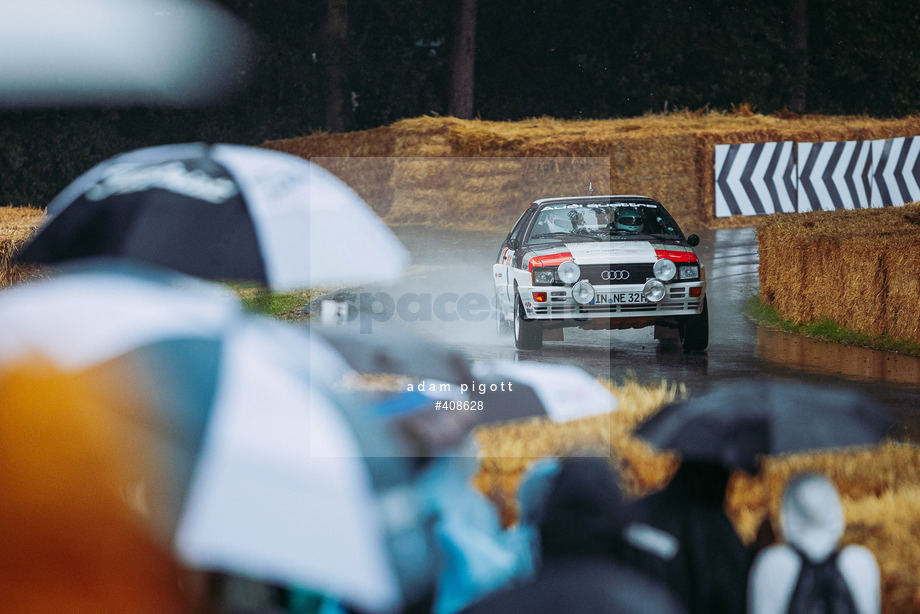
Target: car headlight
x=583, y=292
x=654, y=290
x=544, y=276
x=690, y=272
x=664, y=269
x=568, y=272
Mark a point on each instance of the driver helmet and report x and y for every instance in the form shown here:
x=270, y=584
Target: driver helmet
x=629, y=218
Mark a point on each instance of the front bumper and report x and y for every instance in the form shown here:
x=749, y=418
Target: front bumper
x=559, y=303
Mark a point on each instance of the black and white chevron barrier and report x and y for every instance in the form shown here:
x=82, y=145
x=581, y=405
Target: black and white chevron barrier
x=834, y=175
x=765, y=178
x=896, y=172
x=755, y=179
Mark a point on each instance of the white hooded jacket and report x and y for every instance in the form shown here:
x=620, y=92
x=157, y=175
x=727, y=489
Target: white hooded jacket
x=812, y=520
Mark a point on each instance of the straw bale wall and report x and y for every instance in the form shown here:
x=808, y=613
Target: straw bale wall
x=363, y=160
x=16, y=226
x=879, y=486
x=669, y=157
x=857, y=268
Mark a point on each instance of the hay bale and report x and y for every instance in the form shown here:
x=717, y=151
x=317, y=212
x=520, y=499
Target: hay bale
x=853, y=267
x=366, y=143
x=903, y=287
x=666, y=156
x=565, y=176
x=781, y=267
x=490, y=209
x=473, y=168
x=494, y=184
x=509, y=449
x=480, y=192
x=478, y=138
x=861, y=300
x=419, y=206
x=422, y=173
x=17, y=225
x=362, y=159
x=369, y=177
x=423, y=136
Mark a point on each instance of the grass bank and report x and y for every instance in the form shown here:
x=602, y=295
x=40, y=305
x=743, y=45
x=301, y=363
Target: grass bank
x=826, y=329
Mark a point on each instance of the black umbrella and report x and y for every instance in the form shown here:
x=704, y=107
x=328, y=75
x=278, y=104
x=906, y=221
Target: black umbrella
x=394, y=351
x=437, y=373
x=224, y=212
x=736, y=422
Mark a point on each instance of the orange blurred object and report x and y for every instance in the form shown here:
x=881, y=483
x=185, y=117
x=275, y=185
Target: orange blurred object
x=73, y=482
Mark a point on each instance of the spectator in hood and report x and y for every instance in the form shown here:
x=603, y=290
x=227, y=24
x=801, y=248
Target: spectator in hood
x=812, y=524
x=578, y=522
x=478, y=555
x=682, y=536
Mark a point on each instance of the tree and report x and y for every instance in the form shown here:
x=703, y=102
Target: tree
x=335, y=34
x=797, y=25
x=462, y=59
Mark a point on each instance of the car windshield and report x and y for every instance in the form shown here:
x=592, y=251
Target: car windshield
x=602, y=222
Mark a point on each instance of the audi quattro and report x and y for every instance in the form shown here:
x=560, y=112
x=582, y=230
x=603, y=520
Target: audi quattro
x=600, y=262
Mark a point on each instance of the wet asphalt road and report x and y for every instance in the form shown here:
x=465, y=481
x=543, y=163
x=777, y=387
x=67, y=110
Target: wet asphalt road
x=447, y=292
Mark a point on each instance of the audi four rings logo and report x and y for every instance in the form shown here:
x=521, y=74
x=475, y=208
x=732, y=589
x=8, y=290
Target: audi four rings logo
x=613, y=275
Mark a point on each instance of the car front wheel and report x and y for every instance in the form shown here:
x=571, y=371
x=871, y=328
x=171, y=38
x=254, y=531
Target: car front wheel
x=528, y=334
x=694, y=330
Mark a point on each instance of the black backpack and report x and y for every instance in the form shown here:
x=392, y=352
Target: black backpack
x=821, y=589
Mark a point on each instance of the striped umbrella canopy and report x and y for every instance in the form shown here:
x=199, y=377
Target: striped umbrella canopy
x=221, y=212
x=173, y=409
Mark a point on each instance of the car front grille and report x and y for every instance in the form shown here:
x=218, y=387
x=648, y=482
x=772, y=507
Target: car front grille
x=618, y=273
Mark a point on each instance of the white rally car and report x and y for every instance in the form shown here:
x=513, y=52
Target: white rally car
x=600, y=262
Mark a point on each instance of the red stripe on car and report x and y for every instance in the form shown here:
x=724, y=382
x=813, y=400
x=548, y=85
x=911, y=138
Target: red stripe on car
x=676, y=255
x=549, y=260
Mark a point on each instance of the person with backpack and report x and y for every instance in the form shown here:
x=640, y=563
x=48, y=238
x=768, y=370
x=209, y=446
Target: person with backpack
x=809, y=572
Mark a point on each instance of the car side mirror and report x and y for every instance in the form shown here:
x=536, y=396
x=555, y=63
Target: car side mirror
x=693, y=240
x=516, y=243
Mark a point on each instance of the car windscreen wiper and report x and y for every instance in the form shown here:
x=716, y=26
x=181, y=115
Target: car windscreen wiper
x=553, y=235
x=590, y=234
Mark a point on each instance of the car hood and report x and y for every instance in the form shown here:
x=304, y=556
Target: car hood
x=611, y=252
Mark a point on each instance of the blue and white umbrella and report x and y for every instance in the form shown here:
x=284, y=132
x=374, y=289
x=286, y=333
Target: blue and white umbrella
x=247, y=463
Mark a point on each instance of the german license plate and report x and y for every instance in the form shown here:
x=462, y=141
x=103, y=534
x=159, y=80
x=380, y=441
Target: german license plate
x=618, y=298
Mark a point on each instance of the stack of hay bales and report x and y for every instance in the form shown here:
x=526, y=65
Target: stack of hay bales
x=17, y=224
x=509, y=449
x=423, y=185
x=360, y=159
x=856, y=268
x=462, y=174
x=421, y=172
x=879, y=486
